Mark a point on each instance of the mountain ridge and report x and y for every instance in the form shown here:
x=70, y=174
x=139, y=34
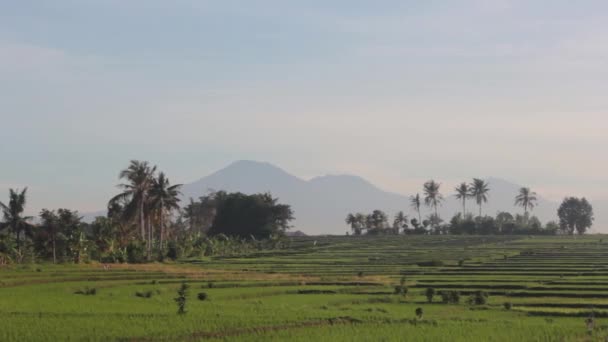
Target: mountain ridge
x=321, y=203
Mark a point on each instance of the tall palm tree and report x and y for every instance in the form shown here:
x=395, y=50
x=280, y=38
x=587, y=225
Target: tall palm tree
x=399, y=222
x=526, y=199
x=50, y=225
x=13, y=215
x=463, y=193
x=354, y=223
x=164, y=198
x=432, y=196
x=140, y=178
x=416, y=203
x=479, y=191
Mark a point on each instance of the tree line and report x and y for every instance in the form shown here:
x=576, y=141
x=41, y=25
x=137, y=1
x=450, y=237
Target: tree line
x=575, y=215
x=144, y=222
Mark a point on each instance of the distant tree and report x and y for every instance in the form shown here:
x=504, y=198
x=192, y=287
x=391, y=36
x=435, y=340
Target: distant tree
x=552, y=227
x=353, y=221
x=416, y=203
x=377, y=222
x=419, y=313
x=51, y=228
x=430, y=293
x=479, y=191
x=435, y=222
x=164, y=198
x=72, y=228
x=575, y=215
x=400, y=222
x=200, y=214
x=258, y=215
x=13, y=217
x=104, y=233
x=463, y=193
x=526, y=199
x=503, y=218
x=139, y=176
x=432, y=196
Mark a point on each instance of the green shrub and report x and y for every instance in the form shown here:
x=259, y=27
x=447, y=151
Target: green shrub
x=136, y=253
x=144, y=294
x=432, y=263
x=182, y=296
x=87, y=291
x=419, y=313
x=202, y=296
x=508, y=305
x=401, y=290
x=478, y=298
x=450, y=297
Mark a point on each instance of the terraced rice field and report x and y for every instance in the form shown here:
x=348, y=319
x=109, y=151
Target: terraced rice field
x=325, y=289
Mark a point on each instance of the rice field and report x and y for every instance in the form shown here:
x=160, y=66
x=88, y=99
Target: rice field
x=324, y=289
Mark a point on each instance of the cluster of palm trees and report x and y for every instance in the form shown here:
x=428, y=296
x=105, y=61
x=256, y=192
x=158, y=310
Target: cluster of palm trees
x=148, y=199
x=478, y=190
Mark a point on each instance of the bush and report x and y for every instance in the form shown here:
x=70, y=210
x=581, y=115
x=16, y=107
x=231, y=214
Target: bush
x=450, y=297
x=419, y=313
x=202, y=296
x=508, y=305
x=430, y=293
x=144, y=294
x=478, y=298
x=401, y=290
x=135, y=253
x=87, y=291
x=432, y=263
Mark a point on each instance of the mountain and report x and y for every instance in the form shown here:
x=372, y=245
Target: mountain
x=321, y=204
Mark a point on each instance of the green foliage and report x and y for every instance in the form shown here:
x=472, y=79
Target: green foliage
x=432, y=263
x=508, y=305
x=478, y=298
x=575, y=215
x=136, y=253
x=144, y=294
x=87, y=291
x=202, y=296
x=258, y=215
x=430, y=293
x=401, y=290
x=450, y=297
x=419, y=313
x=182, y=296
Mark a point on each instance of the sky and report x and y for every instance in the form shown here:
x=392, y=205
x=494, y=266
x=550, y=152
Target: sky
x=397, y=92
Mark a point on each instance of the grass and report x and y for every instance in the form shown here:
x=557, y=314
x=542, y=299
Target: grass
x=339, y=290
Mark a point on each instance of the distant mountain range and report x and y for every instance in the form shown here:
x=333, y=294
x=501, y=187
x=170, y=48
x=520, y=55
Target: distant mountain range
x=322, y=203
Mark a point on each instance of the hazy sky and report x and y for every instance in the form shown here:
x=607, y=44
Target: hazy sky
x=394, y=91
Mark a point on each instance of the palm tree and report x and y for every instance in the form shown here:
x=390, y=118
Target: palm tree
x=526, y=199
x=479, y=190
x=416, y=203
x=164, y=198
x=462, y=193
x=13, y=219
x=353, y=220
x=140, y=178
x=399, y=222
x=50, y=225
x=432, y=196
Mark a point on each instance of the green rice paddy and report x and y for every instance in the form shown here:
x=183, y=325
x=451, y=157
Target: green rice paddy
x=324, y=289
